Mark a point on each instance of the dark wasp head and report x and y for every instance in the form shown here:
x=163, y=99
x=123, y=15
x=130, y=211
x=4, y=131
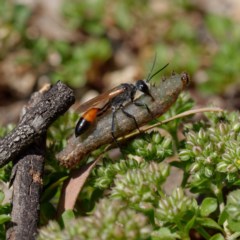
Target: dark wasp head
x=142, y=86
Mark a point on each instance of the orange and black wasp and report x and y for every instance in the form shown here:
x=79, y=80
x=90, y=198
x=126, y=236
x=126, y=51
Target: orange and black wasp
x=116, y=99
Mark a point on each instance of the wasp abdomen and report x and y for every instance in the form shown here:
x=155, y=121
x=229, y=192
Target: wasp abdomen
x=85, y=121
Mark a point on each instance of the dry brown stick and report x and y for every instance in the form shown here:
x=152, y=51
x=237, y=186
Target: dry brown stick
x=165, y=94
x=28, y=165
x=27, y=186
x=34, y=123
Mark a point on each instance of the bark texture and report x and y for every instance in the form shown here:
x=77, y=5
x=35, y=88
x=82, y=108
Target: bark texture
x=26, y=146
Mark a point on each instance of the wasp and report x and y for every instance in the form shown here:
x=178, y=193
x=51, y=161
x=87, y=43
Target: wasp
x=116, y=99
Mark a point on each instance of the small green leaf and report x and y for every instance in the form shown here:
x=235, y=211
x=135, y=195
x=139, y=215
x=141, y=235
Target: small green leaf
x=237, y=183
x=4, y=218
x=208, y=222
x=1, y=197
x=164, y=234
x=208, y=206
x=217, y=236
x=67, y=216
x=233, y=225
x=232, y=207
x=52, y=189
x=223, y=217
x=47, y=212
x=190, y=224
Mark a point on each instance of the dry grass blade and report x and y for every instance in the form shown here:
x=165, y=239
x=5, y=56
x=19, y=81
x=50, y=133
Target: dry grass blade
x=181, y=115
x=74, y=184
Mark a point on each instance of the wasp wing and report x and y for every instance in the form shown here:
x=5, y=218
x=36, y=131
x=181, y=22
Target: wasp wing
x=101, y=99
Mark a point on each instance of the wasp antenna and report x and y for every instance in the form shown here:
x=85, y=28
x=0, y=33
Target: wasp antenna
x=158, y=71
x=153, y=65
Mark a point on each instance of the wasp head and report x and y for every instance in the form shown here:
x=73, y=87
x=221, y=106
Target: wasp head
x=142, y=86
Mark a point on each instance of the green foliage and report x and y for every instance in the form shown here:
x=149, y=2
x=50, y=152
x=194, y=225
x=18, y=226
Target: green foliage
x=103, y=176
x=4, y=214
x=164, y=234
x=72, y=61
x=172, y=209
x=222, y=72
x=211, y=163
x=87, y=14
x=5, y=130
x=211, y=154
x=141, y=187
x=208, y=206
x=137, y=182
x=111, y=219
x=131, y=190
x=97, y=31
x=5, y=173
x=184, y=103
x=92, y=16
x=233, y=210
x=150, y=146
x=203, y=48
x=74, y=67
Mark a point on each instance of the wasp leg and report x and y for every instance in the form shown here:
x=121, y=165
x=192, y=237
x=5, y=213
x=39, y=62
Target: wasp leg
x=132, y=117
x=113, y=128
x=135, y=121
x=138, y=104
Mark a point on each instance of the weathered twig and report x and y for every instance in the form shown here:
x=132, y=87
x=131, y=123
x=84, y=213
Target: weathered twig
x=165, y=95
x=28, y=166
x=35, y=122
x=27, y=187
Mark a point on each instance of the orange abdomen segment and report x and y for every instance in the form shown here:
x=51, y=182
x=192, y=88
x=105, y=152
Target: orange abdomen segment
x=91, y=114
x=85, y=121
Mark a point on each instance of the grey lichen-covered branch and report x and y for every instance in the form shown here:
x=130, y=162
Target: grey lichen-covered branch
x=165, y=94
x=27, y=186
x=29, y=157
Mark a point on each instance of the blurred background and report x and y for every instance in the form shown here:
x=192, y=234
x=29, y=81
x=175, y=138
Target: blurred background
x=94, y=45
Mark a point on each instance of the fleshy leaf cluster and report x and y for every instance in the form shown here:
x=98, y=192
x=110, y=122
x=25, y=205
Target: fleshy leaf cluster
x=141, y=188
x=111, y=219
x=212, y=153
